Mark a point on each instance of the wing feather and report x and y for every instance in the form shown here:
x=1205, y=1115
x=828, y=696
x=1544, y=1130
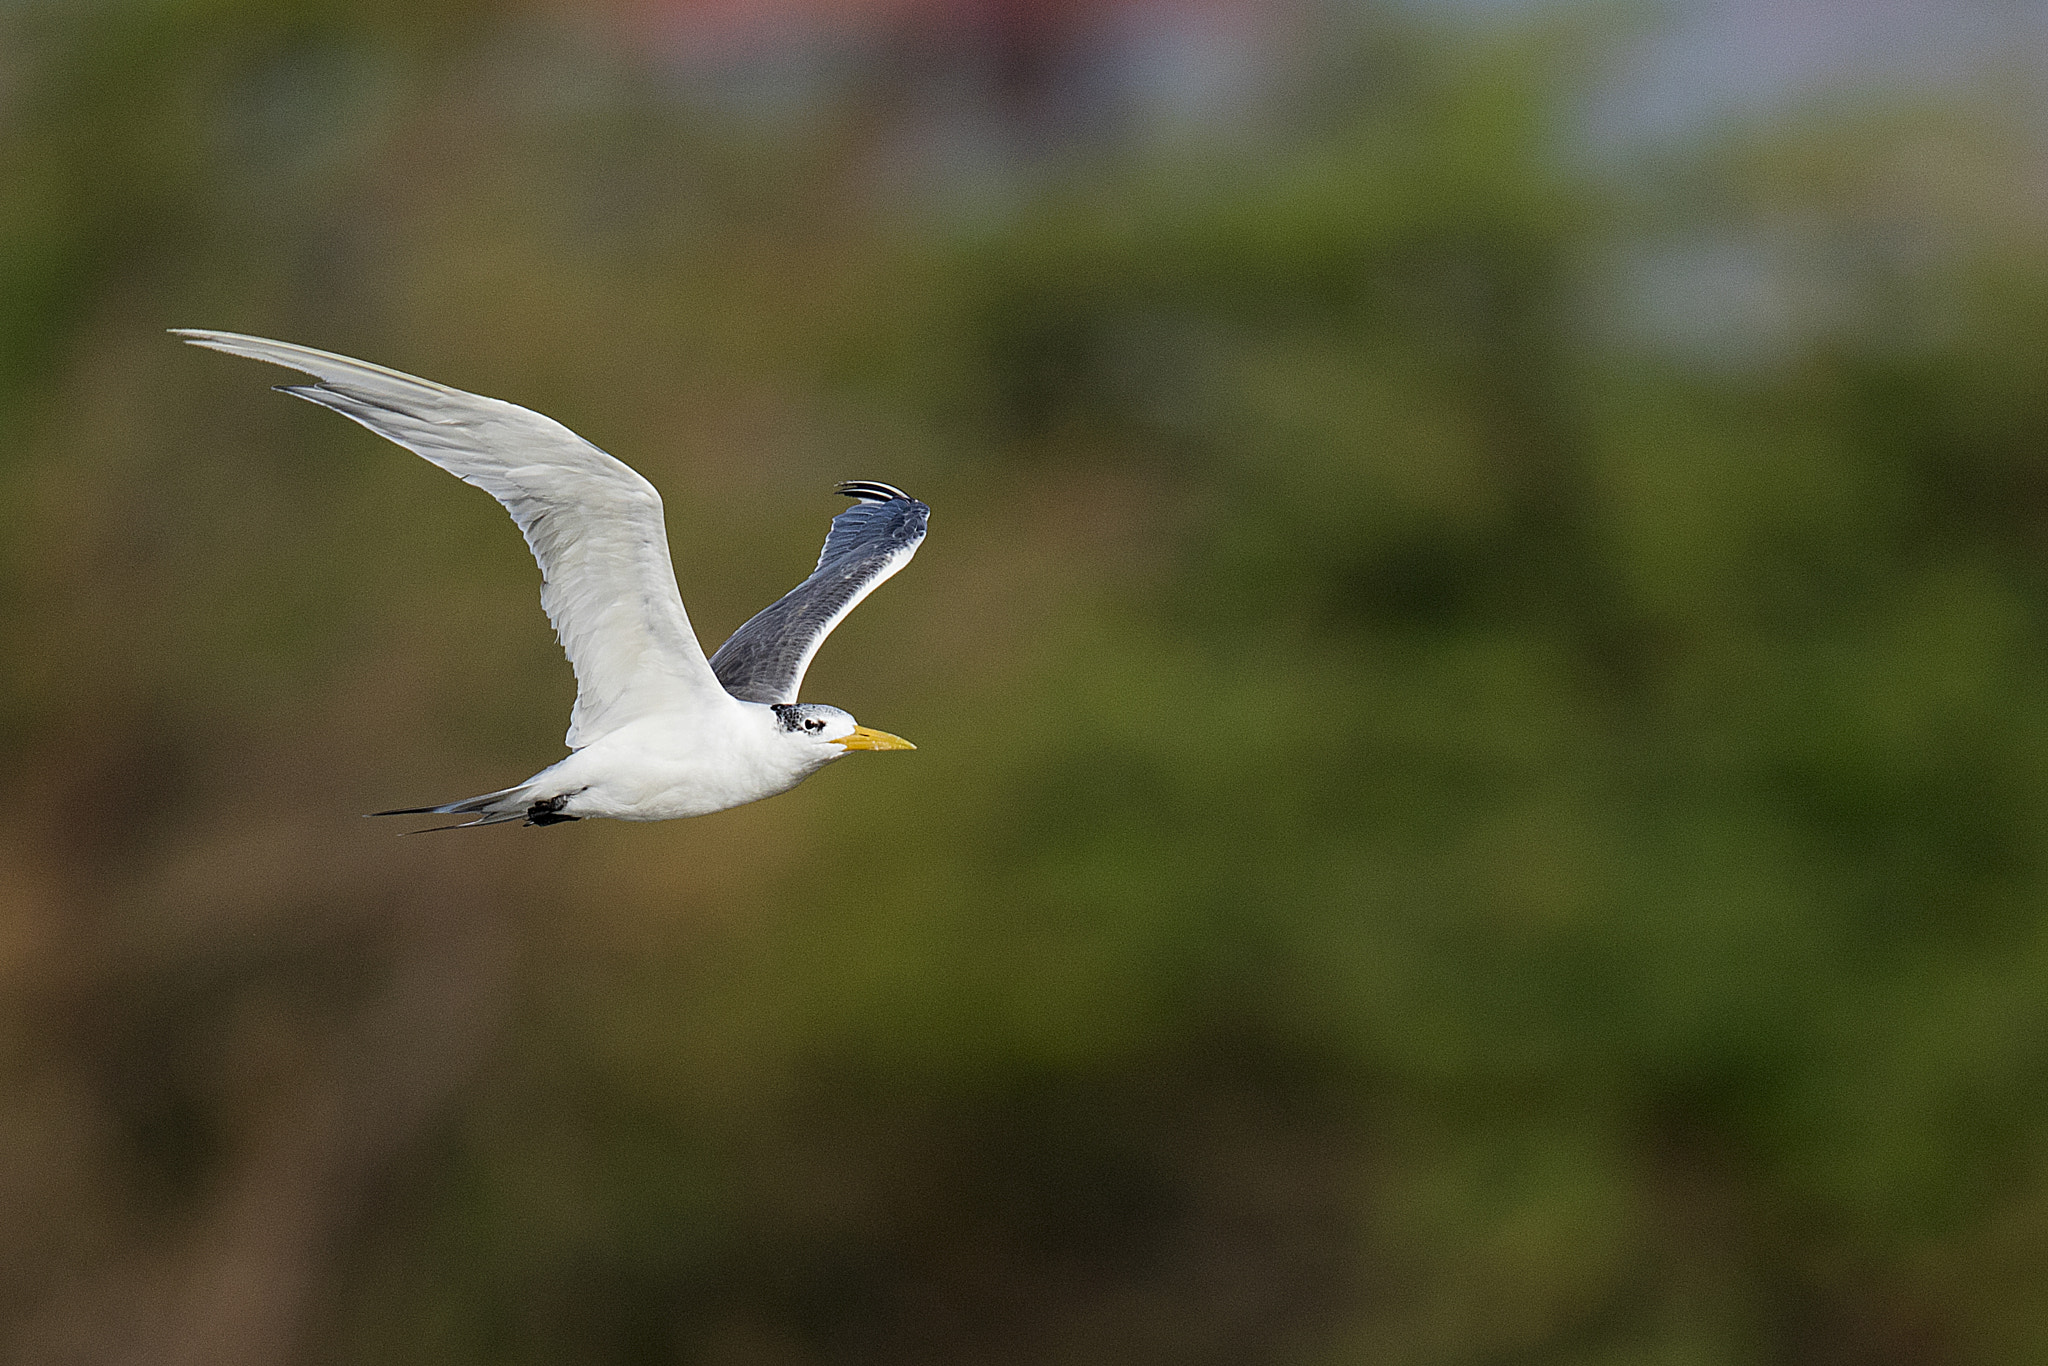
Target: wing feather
x=765, y=660
x=594, y=525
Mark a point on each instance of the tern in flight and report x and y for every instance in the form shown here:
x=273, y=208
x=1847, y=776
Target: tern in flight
x=658, y=731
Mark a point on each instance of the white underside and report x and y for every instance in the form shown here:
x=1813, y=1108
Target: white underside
x=664, y=767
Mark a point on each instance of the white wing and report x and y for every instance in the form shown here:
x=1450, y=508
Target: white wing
x=593, y=524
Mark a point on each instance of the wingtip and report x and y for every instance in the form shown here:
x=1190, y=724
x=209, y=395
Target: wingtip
x=870, y=491
x=209, y=337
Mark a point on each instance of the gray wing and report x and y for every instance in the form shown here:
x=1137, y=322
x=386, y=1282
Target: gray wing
x=765, y=659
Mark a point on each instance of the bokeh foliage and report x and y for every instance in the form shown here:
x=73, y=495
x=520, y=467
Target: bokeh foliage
x=1451, y=826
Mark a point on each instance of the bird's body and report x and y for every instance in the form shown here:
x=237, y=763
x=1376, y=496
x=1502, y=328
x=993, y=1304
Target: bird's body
x=661, y=767
x=658, y=731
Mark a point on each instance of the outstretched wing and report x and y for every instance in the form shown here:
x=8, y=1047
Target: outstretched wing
x=593, y=524
x=765, y=659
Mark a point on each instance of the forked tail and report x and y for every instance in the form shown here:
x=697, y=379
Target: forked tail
x=493, y=808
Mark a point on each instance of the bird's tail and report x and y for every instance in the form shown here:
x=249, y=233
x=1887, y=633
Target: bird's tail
x=493, y=808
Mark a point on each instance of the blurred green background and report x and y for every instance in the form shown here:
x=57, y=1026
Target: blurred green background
x=1481, y=673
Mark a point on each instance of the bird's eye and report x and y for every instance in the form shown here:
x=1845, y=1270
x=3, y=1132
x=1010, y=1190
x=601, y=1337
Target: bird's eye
x=814, y=725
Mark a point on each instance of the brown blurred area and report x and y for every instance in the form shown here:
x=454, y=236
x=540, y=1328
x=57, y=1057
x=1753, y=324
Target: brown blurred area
x=1483, y=758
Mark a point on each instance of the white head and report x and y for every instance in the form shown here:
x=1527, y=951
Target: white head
x=824, y=733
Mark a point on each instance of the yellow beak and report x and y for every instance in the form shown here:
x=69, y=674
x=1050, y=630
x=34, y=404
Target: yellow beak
x=863, y=738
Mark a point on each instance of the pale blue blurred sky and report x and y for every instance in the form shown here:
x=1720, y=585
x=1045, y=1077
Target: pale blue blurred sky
x=1700, y=62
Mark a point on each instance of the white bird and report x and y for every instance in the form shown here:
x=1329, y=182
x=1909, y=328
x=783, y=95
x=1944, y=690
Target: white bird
x=658, y=731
